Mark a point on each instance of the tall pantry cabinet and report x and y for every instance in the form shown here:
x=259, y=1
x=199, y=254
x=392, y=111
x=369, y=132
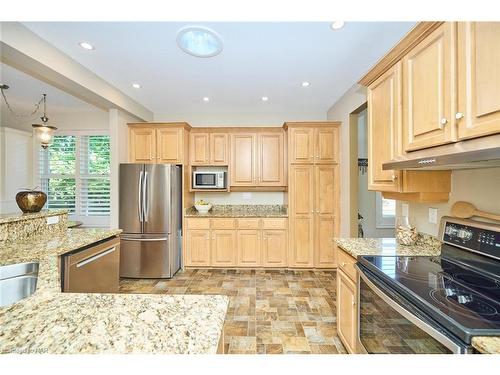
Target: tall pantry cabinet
x=313, y=193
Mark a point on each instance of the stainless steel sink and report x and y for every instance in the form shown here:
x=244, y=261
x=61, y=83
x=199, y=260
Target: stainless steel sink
x=17, y=281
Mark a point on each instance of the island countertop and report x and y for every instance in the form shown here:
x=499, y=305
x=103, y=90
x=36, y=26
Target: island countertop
x=53, y=322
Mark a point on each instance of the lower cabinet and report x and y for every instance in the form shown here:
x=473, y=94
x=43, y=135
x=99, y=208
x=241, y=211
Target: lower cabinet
x=245, y=243
x=347, y=302
x=302, y=242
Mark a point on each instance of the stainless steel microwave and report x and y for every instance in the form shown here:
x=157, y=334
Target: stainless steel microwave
x=209, y=180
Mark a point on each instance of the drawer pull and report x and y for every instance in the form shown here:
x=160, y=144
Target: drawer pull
x=95, y=257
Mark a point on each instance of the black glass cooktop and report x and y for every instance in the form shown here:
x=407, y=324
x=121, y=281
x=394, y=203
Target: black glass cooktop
x=450, y=288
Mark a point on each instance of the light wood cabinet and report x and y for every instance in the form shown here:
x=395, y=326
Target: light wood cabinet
x=223, y=248
x=274, y=248
x=219, y=149
x=198, y=245
x=478, y=112
x=243, y=159
x=347, y=311
x=208, y=148
x=142, y=144
x=157, y=143
x=313, y=145
x=427, y=90
x=249, y=248
x=270, y=159
x=384, y=128
x=301, y=246
x=301, y=142
x=324, y=146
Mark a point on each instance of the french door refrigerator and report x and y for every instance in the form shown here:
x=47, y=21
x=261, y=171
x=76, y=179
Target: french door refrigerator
x=150, y=215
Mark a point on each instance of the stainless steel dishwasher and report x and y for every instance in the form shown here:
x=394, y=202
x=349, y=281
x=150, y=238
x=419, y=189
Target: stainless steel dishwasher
x=94, y=269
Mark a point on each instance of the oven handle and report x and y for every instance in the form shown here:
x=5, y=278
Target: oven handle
x=456, y=349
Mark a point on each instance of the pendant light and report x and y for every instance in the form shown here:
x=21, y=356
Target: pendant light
x=44, y=132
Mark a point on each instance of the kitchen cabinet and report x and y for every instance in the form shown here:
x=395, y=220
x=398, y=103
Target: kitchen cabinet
x=347, y=311
x=301, y=142
x=223, y=248
x=257, y=159
x=249, y=248
x=313, y=145
x=478, y=111
x=274, y=248
x=428, y=81
x=158, y=142
x=208, y=148
x=198, y=245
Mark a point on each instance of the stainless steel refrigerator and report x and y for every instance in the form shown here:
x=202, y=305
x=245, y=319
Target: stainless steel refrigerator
x=150, y=215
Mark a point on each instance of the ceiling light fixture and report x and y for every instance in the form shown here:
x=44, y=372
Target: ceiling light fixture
x=86, y=45
x=199, y=41
x=206, y=99
x=42, y=131
x=265, y=98
x=337, y=25
x=136, y=86
x=305, y=84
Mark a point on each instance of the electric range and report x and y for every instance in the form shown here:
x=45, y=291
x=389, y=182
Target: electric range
x=445, y=300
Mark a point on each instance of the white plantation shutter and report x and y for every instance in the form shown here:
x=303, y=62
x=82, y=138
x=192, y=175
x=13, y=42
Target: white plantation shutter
x=75, y=174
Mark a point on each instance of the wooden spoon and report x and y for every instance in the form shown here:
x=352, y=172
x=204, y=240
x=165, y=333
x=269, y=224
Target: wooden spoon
x=465, y=210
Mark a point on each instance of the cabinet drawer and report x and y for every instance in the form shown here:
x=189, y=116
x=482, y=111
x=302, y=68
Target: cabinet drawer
x=248, y=223
x=346, y=263
x=223, y=223
x=274, y=223
x=198, y=223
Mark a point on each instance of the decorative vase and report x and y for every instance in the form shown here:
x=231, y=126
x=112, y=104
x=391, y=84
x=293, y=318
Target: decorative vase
x=30, y=201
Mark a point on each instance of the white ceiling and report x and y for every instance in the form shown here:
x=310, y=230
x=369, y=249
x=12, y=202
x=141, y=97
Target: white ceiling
x=259, y=59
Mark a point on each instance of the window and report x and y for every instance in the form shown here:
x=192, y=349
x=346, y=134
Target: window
x=386, y=212
x=74, y=172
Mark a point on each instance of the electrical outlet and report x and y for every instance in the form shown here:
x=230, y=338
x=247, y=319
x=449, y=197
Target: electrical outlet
x=405, y=210
x=52, y=220
x=247, y=196
x=433, y=215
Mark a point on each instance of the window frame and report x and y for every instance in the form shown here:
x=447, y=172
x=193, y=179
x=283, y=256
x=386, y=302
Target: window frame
x=88, y=221
x=382, y=222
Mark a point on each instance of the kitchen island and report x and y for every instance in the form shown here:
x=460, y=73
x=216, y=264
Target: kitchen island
x=52, y=322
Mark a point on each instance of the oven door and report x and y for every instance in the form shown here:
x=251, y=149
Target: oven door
x=390, y=324
x=204, y=180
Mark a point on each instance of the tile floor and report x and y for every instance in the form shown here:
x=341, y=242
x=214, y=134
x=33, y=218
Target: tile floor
x=270, y=311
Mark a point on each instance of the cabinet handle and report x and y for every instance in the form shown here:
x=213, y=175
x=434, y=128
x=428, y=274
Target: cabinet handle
x=459, y=115
x=444, y=121
x=343, y=264
x=353, y=302
x=394, y=177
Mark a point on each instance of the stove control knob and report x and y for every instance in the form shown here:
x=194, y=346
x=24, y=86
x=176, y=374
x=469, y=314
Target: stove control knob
x=465, y=234
x=449, y=292
x=464, y=299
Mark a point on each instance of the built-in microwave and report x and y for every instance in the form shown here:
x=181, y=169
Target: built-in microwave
x=209, y=180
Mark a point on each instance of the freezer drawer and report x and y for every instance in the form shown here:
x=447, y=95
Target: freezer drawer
x=145, y=257
x=93, y=270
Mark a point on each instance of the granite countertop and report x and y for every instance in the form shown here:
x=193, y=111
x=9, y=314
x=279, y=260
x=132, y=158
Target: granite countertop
x=486, y=345
x=240, y=211
x=53, y=322
x=19, y=216
x=425, y=245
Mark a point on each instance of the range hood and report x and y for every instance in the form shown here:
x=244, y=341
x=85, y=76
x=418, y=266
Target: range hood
x=479, y=158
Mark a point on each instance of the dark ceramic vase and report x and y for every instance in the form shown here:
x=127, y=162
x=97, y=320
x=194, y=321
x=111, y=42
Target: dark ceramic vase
x=30, y=201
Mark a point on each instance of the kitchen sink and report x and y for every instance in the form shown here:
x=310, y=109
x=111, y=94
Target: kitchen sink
x=17, y=281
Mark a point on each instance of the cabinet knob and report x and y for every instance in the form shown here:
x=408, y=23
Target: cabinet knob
x=394, y=177
x=443, y=121
x=343, y=264
x=459, y=115
x=354, y=303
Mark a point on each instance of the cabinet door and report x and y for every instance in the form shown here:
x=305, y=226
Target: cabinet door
x=275, y=245
x=243, y=160
x=199, y=148
x=384, y=129
x=347, y=311
x=142, y=145
x=169, y=145
x=301, y=241
x=326, y=145
x=249, y=248
x=223, y=247
x=325, y=249
x=302, y=190
x=427, y=82
x=301, y=145
x=479, y=79
x=219, y=149
x=271, y=159
x=197, y=248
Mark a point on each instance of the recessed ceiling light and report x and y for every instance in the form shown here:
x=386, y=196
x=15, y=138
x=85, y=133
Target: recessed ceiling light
x=206, y=99
x=265, y=98
x=136, y=86
x=336, y=25
x=86, y=45
x=305, y=84
x=199, y=41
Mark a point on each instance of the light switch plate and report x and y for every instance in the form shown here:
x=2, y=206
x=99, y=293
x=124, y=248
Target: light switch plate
x=52, y=220
x=247, y=196
x=433, y=215
x=405, y=210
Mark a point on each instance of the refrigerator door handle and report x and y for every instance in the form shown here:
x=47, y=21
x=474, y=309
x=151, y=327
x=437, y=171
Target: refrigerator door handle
x=145, y=198
x=139, y=198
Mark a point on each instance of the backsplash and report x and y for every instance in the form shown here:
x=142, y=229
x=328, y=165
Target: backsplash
x=250, y=198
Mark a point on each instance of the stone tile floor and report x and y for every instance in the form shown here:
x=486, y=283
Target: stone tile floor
x=270, y=311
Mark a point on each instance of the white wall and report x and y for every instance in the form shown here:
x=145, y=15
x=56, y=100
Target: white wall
x=350, y=101
x=481, y=187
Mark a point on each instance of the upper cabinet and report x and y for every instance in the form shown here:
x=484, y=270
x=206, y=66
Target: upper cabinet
x=312, y=143
x=427, y=83
x=478, y=110
x=257, y=159
x=157, y=142
x=207, y=148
